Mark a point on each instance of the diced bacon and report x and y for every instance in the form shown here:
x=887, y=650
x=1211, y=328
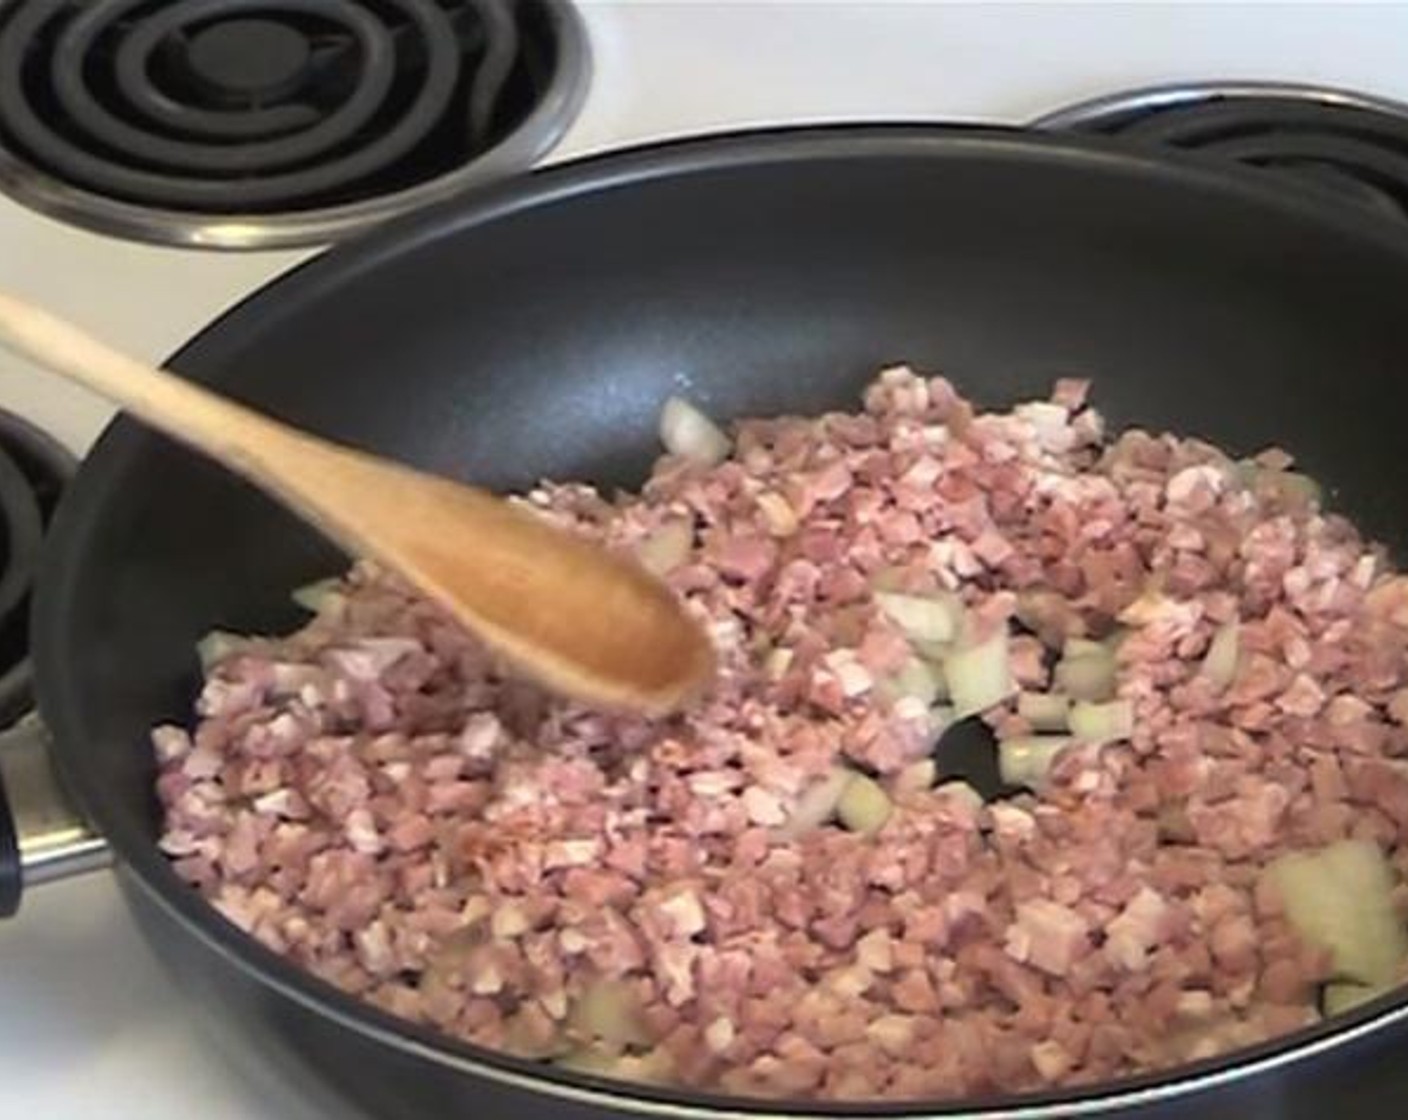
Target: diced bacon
x=579, y=852
x=481, y=735
x=362, y=832
x=1050, y=936
x=1070, y=392
x=764, y=808
x=746, y=557
x=1051, y=1060
x=1137, y=929
x=383, y=800
x=684, y=914
x=1303, y=698
x=171, y=744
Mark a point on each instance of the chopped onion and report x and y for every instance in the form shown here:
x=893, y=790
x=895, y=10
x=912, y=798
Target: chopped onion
x=1340, y=996
x=916, y=776
x=1340, y=898
x=1044, y=711
x=316, y=596
x=777, y=662
x=523, y=1037
x=919, y=679
x=1050, y=423
x=218, y=645
x=1296, y=487
x=688, y=433
x=1288, y=487
x=610, y=1011
x=1102, y=723
x=888, y=579
x=959, y=790
x=1083, y=647
x=934, y=653
x=979, y=676
x=667, y=548
x=590, y=1059
x=931, y=618
x=778, y=513
x=864, y=806
x=654, y=1067
x=1025, y=759
x=1152, y=606
x=817, y=804
x=1087, y=677
x=1220, y=664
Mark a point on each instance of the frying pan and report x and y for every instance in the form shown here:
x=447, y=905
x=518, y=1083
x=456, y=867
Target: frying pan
x=534, y=329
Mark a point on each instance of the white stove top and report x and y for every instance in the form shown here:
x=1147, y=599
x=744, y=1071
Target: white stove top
x=89, y=1026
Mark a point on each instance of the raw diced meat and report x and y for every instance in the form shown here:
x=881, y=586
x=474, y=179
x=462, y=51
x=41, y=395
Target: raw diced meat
x=699, y=901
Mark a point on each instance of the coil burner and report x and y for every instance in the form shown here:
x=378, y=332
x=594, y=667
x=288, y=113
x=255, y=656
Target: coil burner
x=267, y=123
x=1350, y=144
x=34, y=470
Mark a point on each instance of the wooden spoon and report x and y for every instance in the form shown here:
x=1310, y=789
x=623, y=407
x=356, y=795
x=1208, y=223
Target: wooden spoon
x=581, y=620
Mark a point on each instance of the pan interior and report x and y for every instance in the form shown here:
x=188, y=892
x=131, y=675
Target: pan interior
x=534, y=332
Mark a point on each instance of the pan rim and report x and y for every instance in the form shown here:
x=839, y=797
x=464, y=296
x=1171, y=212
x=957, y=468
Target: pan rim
x=206, y=356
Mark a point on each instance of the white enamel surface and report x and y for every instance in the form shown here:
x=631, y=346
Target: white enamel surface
x=89, y=1026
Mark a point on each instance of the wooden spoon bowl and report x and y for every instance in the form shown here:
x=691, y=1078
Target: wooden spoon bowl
x=585, y=622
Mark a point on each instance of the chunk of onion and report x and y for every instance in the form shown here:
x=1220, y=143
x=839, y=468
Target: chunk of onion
x=777, y=662
x=1102, y=723
x=589, y=1059
x=777, y=511
x=1220, y=663
x=919, y=679
x=523, y=1037
x=1087, y=677
x=316, y=596
x=864, y=806
x=667, y=548
x=979, y=676
x=959, y=790
x=1044, y=711
x=688, y=433
x=817, y=804
x=655, y=1067
x=1295, y=487
x=609, y=1010
x=934, y=653
x=1082, y=647
x=1024, y=760
x=216, y=646
x=1340, y=898
x=916, y=776
x=923, y=618
x=1287, y=487
x=1342, y=995
x=888, y=579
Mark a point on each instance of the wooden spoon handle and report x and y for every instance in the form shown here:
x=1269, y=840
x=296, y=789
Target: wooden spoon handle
x=231, y=433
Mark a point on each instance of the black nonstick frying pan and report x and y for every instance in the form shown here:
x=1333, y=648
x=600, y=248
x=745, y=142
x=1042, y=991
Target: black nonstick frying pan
x=535, y=329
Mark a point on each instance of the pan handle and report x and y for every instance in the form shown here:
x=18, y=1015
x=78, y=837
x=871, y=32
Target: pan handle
x=42, y=837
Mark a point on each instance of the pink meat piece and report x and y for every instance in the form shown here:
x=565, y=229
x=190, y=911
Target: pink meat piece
x=747, y=557
x=1070, y=392
x=1136, y=930
x=1049, y=935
